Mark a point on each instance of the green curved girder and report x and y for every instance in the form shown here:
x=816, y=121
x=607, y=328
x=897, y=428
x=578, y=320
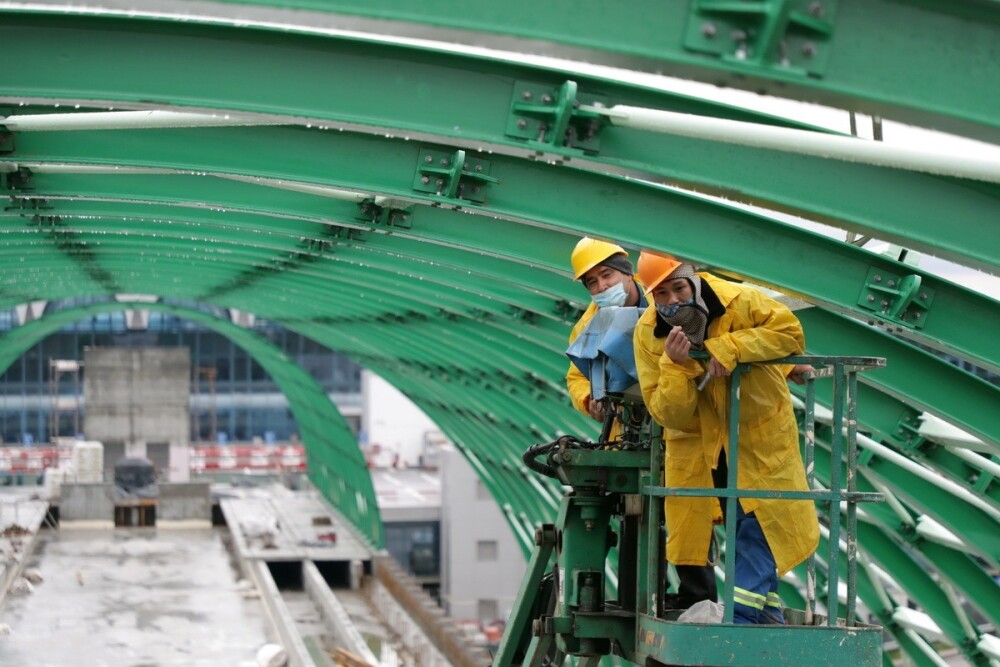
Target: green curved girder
x=868, y=593
x=873, y=339
x=919, y=379
x=443, y=110
x=907, y=561
x=869, y=53
x=824, y=270
x=466, y=307
x=330, y=445
x=832, y=335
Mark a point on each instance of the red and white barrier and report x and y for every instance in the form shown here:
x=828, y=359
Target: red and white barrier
x=255, y=458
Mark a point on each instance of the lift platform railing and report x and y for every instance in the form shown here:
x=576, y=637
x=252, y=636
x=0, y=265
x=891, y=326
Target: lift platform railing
x=566, y=613
x=844, y=371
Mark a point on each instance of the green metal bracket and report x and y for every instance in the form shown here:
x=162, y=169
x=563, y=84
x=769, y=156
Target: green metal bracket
x=28, y=204
x=551, y=116
x=983, y=481
x=789, y=35
x=47, y=221
x=19, y=180
x=6, y=141
x=385, y=216
x=453, y=175
x=522, y=314
x=567, y=311
x=907, y=434
x=899, y=299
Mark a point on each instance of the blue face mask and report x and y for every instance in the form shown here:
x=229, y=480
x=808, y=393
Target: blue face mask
x=613, y=296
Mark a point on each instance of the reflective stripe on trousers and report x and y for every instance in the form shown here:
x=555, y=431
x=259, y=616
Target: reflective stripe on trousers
x=755, y=595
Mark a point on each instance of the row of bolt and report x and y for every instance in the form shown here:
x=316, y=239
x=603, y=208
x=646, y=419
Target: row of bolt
x=709, y=30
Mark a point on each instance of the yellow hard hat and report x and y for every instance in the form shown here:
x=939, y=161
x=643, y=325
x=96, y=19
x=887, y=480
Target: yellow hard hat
x=653, y=268
x=589, y=252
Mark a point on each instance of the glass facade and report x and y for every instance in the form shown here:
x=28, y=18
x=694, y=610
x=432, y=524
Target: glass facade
x=246, y=403
x=416, y=545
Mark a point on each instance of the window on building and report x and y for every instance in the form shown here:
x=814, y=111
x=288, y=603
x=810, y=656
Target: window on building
x=487, y=550
x=488, y=611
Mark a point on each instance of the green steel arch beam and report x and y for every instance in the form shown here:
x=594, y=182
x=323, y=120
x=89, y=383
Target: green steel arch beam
x=830, y=46
x=934, y=393
x=466, y=101
x=334, y=458
x=872, y=593
x=556, y=375
x=825, y=271
x=476, y=351
x=908, y=559
x=953, y=394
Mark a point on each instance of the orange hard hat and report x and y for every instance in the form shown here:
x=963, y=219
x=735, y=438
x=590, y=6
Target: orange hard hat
x=653, y=268
x=589, y=252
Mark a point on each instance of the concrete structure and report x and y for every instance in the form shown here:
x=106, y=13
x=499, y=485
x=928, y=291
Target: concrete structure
x=133, y=597
x=183, y=501
x=137, y=405
x=95, y=502
x=86, y=502
x=482, y=564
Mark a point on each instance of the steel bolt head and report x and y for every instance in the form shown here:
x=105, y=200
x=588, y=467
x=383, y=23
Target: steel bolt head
x=923, y=296
x=708, y=30
x=877, y=278
x=546, y=99
x=809, y=49
x=479, y=168
x=439, y=182
x=892, y=283
x=521, y=124
x=816, y=9
x=871, y=298
x=444, y=162
x=425, y=179
x=916, y=316
x=526, y=95
x=428, y=159
x=884, y=303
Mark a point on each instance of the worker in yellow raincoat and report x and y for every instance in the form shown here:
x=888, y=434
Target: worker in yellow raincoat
x=605, y=271
x=733, y=324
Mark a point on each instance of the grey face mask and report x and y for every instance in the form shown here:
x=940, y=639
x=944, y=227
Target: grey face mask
x=691, y=316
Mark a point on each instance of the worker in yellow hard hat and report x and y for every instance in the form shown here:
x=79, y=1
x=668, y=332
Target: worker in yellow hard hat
x=605, y=271
x=733, y=324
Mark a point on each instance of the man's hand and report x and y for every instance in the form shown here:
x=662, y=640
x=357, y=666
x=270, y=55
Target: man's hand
x=795, y=375
x=677, y=345
x=596, y=410
x=715, y=369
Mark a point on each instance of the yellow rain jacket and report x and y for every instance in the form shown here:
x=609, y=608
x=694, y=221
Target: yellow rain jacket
x=753, y=328
x=576, y=382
